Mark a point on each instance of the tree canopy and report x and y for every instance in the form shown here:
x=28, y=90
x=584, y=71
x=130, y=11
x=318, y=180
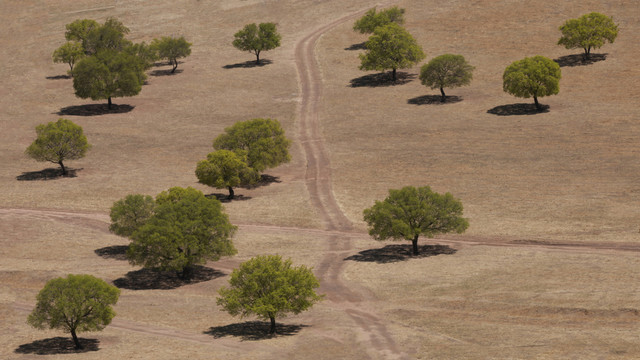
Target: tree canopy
x=77, y=303
x=270, y=288
x=226, y=169
x=171, y=49
x=390, y=47
x=446, y=70
x=588, y=31
x=129, y=214
x=57, y=142
x=535, y=77
x=79, y=31
x=257, y=38
x=108, y=36
x=68, y=53
x=262, y=140
x=372, y=20
x=185, y=229
x=410, y=212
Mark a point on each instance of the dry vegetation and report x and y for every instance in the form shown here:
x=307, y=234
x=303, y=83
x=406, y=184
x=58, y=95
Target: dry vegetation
x=527, y=181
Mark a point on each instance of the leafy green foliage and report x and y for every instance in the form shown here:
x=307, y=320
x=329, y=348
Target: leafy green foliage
x=68, y=53
x=410, y=212
x=186, y=229
x=109, y=36
x=390, y=47
x=446, y=70
x=76, y=303
x=535, y=77
x=372, y=20
x=171, y=49
x=129, y=214
x=262, y=140
x=257, y=38
x=226, y=169
x=144, y=55
x=587, y=32
x=79, y=31
x=269, y=288
x=58, y=141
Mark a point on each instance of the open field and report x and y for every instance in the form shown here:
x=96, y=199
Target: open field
x=549, y=265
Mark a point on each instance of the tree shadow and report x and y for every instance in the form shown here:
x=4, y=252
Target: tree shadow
x=248, y=64
x=579, y=59
x=59, y=77
x=153, y=279
x=224, y=198
x=94, y=109
x=518, y=109
x=116, y=252
x=358, y=46
x=253, y=330
x=396, y=253
x=434, y=100
x=382, y=79
x=265, y=180
x=166, y=72
x=47, y=174
x=58, y=345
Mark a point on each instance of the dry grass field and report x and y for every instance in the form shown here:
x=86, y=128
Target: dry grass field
x=548, y=269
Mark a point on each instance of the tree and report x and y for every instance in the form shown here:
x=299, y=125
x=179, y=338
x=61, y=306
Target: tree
x=75, y=304
x=109, y=36
x=372, y=20
x=257, y=38
x=536, y=76
x=226, y=169
x=171, y=49
x=390, y=47
x=79, y=31
x=57, y=142
x=269, y=288
x=129, y=214
x=410, y=212
x=108, y=74
x=446, y=71
x=186, y=229
x=68, y=53
x=587, y=32
x=262, y=140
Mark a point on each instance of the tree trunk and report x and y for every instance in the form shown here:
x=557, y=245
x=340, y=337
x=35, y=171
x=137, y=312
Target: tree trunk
x=231, y=193
x=175, y=65
x=535, y=98
x=75, y=339
x=444, y=97
x=64, y=170
x=257, y=57
x=394, y=74
x=587, y=53
x=272, y=330
x=186, y=273
x=109, y=102
x=414, y=242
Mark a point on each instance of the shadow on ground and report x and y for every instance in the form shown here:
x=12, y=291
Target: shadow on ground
x=579, y=60
x=224, y=198
x=434, y=100
x=151, y=279
x=95, y=109
x=58, y=77
x=395, y=253
x=253, y=330
x=58, y=345
x=116, y=252
x=518, y=109
x=248, y=64
x=382, y=79
x=166, y=72
x=265, y=180
x=359, y=46
x=47, y=174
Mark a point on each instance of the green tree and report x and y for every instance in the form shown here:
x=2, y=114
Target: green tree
x=372, y=20
x=269, y=288
x=75, y=304
x=129, y=214
x=410, y=212
x=186, y=229
x=108, y=74
x=446, y=71
x=79, y=31
x=257, y=38
x=262, y=140
x=390, y=47
x=144, y=54
x=108, y=36
x=535, y=77
x=587, y=32
x=68, y=53
x=226, y=169
x=171, y=49
x=57, y=142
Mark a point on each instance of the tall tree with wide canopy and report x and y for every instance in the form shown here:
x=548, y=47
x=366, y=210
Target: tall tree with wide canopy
x=590, y=31
x=257, y=38
x=372, y=20
x=57, y=142
x=446, y=70
x=535, y=77
x=226, y=169
x=410, y=212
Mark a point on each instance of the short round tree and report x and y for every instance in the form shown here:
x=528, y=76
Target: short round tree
x=590, y=31
x=446, y=71
x=372, y=19
x=57, y=142
x=225, y=169
x=410, y=212
x=77, y=303
x=270, y=288
x=257, y=38
x=535, y=77
x=130, y=213
x=171, y=49
x=68, y=53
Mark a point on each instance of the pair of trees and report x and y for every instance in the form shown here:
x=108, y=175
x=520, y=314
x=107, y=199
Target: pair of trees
x=257, y=38
x=57, y=142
